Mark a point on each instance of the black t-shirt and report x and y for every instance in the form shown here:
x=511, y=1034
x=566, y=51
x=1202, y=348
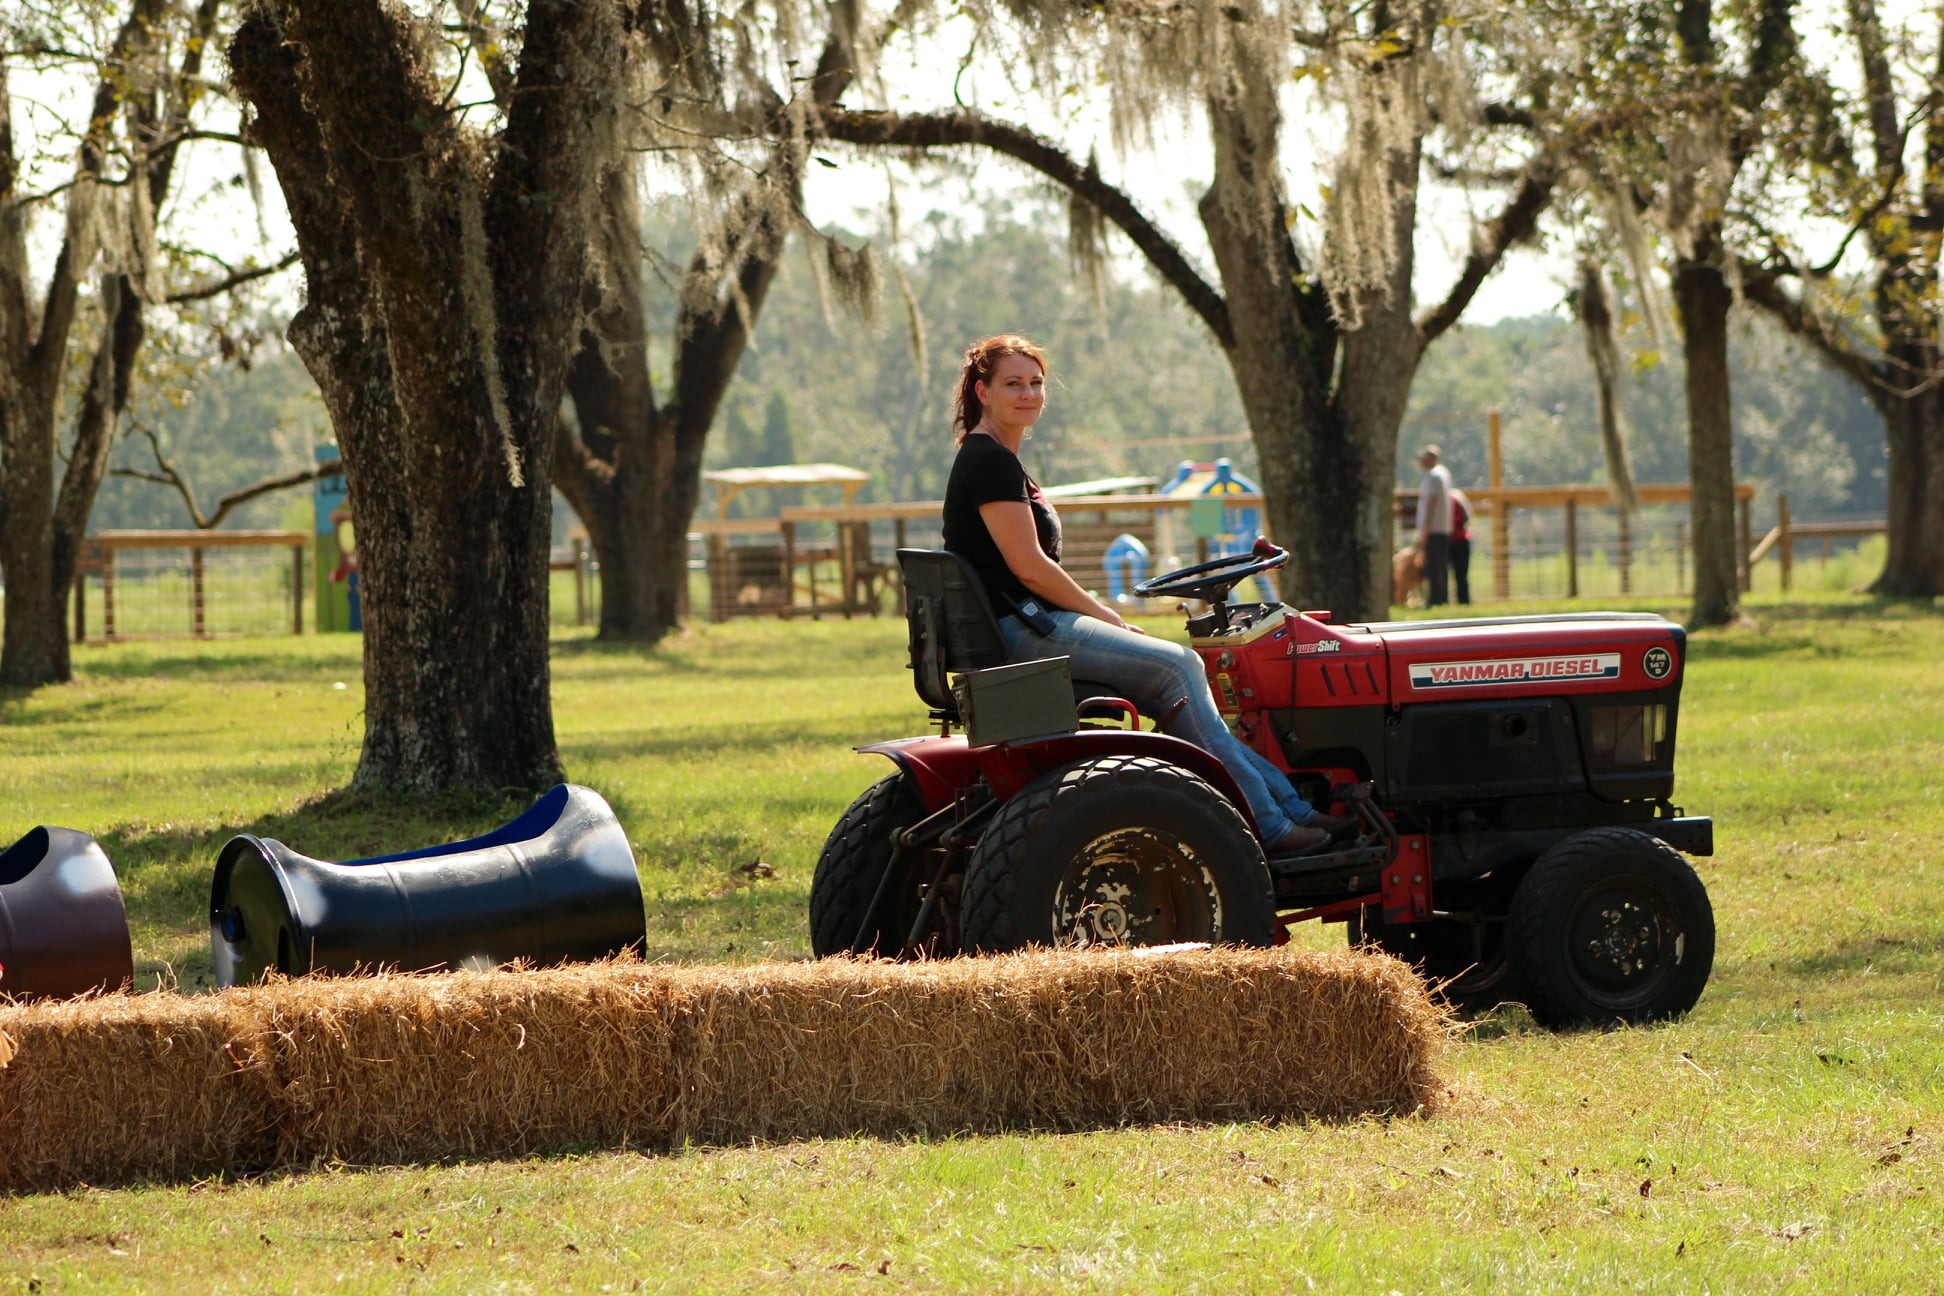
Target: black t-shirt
x=985, y=472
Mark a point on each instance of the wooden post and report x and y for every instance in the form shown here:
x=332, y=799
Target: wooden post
x=1572, y=548
x=1626, y=551
x=297, y=589
x=1501, y=511
x=1680, y=557
x=719, y=591
x=681, y=590
x=1787, y=554
x=81, y=607
x=789, y=572
x=898, y=541
x=107, y=590
x=580, y=579
x=1743, y=549
x=196, y=592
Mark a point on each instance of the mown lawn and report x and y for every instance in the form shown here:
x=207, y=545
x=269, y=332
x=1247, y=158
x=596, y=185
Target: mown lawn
x=1784, y=1137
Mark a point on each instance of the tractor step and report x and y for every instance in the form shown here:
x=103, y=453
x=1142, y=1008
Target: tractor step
x=1359, y=857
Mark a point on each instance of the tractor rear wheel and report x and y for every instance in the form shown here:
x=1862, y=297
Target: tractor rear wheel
x=1121, y=850
x=852, y=865
x=1611, y=926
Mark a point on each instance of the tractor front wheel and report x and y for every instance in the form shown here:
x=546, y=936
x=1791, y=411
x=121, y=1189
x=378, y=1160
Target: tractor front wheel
x=852, y=866
x=1611, y=926
x=1124, y=850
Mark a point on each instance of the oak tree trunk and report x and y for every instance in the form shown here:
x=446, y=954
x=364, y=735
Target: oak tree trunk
x=634, y=473
x=1326, y=442
x=42, y=523
x=33, y=623
x=442, y=272
x=1913, y=417
x=1704, y=299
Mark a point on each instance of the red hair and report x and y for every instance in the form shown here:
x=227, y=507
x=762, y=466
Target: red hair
x=981, y=358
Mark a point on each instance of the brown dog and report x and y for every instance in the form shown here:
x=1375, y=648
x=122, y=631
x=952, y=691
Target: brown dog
x=1407, y=573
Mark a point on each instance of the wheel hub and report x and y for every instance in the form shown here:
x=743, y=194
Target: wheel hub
x=1137, y=886
x=1617, y=940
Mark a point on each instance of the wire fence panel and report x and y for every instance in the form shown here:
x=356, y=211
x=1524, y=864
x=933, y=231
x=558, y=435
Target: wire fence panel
x=156, y=586
x=1589, y=552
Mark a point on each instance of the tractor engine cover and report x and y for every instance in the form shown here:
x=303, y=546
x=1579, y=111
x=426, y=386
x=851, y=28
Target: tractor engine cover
x=1437, y=712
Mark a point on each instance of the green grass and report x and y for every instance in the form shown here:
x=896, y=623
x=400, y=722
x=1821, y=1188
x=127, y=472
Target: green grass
x=1783, y=1138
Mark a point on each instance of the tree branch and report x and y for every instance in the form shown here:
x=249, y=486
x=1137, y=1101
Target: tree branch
x=944, y=130
x=581, y=476
x=235, y=279
x=710, y=346
x=485, y=39
x=1934, y=139
x=64, y=284
x=167, y=474
x=1512, y=226
x=1762, y=285
x=1879, y=85
x=184, y=89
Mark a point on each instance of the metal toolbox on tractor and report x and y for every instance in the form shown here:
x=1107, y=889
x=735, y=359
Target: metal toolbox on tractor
x=1008, y=703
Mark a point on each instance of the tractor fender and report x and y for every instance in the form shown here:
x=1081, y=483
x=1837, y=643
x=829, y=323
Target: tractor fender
x=942, y=766
x=939, y=767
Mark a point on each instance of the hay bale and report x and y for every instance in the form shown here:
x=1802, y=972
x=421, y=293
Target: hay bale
x=123, y=1087
x=404, y=1068
x=1053, y=1041
x=407, y=1068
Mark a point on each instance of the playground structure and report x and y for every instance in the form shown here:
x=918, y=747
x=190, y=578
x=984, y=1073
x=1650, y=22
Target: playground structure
x=753, y=564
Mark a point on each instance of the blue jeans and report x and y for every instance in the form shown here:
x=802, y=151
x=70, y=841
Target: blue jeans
x=1154, y=674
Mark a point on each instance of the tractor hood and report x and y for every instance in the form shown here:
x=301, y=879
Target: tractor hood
x=1595, y=652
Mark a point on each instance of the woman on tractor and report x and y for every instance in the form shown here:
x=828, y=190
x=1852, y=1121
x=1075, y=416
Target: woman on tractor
x=997, y=519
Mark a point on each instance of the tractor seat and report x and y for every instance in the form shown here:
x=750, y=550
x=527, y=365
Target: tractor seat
x=953, y=629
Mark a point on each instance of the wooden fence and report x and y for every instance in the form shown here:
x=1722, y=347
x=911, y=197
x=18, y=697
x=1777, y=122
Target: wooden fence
x=1787, y=533
x=100, y=558
x=813, y=561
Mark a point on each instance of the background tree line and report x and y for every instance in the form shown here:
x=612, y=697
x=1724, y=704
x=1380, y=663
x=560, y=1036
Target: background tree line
x=479, y=280
x=1139, y=388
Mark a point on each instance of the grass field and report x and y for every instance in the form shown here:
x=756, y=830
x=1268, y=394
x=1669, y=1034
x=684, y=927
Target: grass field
x=1785, y=1137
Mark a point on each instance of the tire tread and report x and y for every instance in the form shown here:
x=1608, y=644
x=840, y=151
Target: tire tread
x=853, y=859
x=987, y=915
x=1549, y=888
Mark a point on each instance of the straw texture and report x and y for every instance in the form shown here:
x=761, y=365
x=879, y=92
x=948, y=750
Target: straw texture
x=407, y=1068
x=130, y=1087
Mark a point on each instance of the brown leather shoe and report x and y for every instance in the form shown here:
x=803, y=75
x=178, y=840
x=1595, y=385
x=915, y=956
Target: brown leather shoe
x=1332, y=824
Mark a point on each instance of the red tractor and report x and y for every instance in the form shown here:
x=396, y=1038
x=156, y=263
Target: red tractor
x=1510, y=777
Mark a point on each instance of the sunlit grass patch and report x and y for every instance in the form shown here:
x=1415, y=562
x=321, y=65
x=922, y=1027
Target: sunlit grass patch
x=1785, y=1137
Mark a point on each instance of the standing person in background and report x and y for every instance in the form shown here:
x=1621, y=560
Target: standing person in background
x=1434, y=524
x=1460, y=546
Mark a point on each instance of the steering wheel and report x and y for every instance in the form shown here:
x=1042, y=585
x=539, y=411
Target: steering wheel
x=1211, y=581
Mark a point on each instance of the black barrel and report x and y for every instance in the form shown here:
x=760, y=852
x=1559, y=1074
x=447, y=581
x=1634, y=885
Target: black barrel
x=63, y=930
x=555, y=885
